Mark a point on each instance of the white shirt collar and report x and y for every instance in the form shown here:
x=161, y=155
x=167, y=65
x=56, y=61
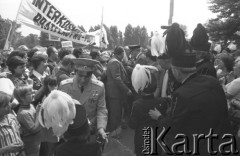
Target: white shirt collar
x=38, y=75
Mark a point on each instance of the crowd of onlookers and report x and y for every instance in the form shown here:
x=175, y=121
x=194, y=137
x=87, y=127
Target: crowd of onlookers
x=38, y=71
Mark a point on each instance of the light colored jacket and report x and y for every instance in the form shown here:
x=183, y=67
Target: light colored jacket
x=93, y=99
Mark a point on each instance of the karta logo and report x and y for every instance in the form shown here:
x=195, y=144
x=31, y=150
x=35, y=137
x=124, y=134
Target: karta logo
x=181, y=144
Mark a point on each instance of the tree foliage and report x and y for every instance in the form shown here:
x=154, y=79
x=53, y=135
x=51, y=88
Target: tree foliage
x=30, y=41
x=128, y=35
x=223, y=28
x=135, y=35
x=14, y=36
x=115, y=37
x=184, y=28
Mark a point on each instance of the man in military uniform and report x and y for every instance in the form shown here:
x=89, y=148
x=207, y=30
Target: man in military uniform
x=137, y=55
x=89, y=92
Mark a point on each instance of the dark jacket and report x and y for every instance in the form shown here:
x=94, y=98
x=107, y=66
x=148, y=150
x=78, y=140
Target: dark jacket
x=199, y=105
x=206, y=68
x=141, y=59
x=78, y=149
x=140, y=119
x=117, y=80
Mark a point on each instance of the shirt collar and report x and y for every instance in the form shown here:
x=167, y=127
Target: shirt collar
x=38, y=75
x=76, y=85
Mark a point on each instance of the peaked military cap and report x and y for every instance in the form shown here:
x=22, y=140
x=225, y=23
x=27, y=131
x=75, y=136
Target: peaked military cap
x=134, y=47
x=85, y=64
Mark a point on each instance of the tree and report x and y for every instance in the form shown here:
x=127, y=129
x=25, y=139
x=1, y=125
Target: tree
x=184, y=28
x=151, y=33
x=120, y=34
x=128, y=35
x=91, y=29
x=223, y=28
x=97, y=27
x=82, y=28
x=136, y=34
x=30, y=41
x=143, y=37
x=5, y=26
x=114, y=35
x=44, y=39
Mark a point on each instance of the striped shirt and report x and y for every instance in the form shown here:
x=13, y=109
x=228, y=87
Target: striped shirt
x=9, y=133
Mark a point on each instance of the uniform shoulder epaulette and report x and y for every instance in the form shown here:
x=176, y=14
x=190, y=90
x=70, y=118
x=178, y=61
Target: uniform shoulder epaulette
x=97, y=83
x=67, y=81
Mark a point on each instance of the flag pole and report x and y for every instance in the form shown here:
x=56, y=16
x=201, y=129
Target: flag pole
x=101, y=33
x=14, y=24
x=171, y=12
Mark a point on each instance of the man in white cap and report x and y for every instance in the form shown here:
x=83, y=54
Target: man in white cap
x=89, y=92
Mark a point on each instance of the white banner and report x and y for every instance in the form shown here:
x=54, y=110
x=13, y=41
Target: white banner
x=43, y=16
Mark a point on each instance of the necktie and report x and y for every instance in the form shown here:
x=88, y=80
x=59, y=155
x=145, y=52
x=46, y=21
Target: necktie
x=82, y=89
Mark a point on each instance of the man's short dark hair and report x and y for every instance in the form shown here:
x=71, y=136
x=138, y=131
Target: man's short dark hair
x=36, y=61
x=21, y=54
x=15, y=61
x=118, y=50
x=50, y=50
x=68, y=60
x=77, y=52
x=63, y=52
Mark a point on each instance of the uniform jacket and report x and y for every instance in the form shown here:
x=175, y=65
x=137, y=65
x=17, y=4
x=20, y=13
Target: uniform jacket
x=199, y=104
x=93, y=99
x=61, y=75
x=117, y=79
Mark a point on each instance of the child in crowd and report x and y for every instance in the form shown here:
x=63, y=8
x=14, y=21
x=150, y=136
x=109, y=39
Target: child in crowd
x=50, y=84
x=27, y=116
x=49, y=141
x=145, y=84
x=10, y=140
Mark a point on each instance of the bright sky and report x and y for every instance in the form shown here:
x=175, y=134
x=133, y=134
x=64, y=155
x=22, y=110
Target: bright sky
x=149, y=13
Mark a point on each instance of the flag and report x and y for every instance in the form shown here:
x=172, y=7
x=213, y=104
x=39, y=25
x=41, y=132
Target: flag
x=100, y=37
x=44, y=16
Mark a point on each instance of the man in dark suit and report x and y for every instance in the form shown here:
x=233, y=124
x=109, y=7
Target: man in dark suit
x=199, y=107
x=66, y=68
x=52, y=57
x=137, y=55
x=117, y=90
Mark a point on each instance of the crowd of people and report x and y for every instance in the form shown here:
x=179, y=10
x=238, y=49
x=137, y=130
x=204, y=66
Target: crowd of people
x=189, y=89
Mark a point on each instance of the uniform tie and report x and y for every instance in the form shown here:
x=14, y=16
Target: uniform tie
x=82, y=89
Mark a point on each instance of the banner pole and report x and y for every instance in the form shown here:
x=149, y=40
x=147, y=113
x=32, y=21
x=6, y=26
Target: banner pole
x=171, y=11
x=14, y=24
x=101, y=34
